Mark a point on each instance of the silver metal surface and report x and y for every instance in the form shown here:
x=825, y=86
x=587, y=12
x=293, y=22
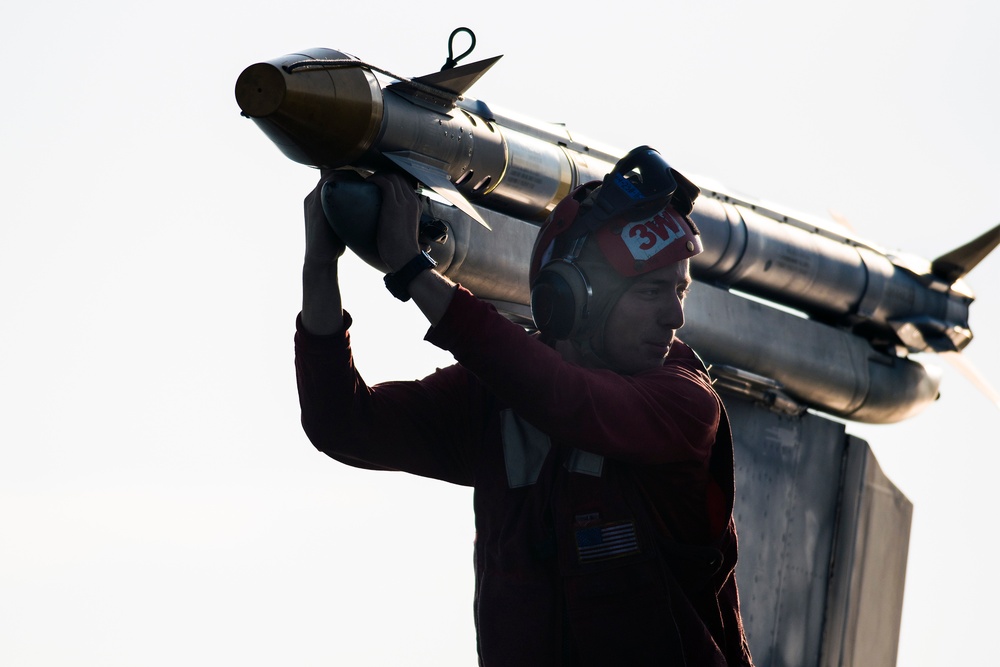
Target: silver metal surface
x=831, y=277
x=822, y=366
x=823, y=542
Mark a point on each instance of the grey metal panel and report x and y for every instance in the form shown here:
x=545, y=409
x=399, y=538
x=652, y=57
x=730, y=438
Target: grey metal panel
x=869, y=567
x=823, y=542
x=788, y=473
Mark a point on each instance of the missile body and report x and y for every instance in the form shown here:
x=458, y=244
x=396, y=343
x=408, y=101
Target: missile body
x=325, y=109
x=832, y=277
x=858, y=309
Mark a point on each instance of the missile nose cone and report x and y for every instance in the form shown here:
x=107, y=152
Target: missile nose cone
x=260, y=90
x=322, y=116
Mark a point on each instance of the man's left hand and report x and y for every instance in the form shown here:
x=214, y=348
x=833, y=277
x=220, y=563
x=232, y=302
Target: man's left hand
x=399, y=220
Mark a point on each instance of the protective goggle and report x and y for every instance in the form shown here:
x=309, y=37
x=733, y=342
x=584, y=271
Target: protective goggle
x=641, y=193
x=640, y=185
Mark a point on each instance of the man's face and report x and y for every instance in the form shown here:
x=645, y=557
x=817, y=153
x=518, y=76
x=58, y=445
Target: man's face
x=641, y=326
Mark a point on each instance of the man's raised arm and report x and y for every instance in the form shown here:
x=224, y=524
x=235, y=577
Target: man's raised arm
x=322, y=309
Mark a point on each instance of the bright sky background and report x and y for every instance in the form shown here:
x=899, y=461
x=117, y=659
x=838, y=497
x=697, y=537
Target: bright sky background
x=159, y=504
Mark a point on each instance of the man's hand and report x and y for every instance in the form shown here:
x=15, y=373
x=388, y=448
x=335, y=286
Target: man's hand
x=399, y=220
x=323, y=246
x=398, y=243
x=322, y=313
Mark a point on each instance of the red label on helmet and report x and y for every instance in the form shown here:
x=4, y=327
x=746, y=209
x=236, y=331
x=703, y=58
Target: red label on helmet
x=645, y=239
x=637, y=247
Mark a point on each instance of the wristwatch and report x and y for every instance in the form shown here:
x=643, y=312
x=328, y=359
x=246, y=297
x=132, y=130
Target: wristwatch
x=398, y=283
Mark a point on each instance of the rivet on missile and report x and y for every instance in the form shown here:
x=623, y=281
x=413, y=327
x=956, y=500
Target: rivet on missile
x=690, y=246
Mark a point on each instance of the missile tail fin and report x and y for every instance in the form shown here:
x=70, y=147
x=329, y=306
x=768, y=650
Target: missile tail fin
x=437, y=180
x=954, y=265
x=974, y=376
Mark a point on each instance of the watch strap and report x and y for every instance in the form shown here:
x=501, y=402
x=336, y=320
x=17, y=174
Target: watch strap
x=398, y=283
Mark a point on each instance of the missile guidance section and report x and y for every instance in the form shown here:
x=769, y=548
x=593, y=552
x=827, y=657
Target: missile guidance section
x=325, y=109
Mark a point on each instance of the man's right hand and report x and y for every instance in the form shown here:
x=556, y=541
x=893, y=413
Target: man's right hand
x=323, y=246
x=322, y=312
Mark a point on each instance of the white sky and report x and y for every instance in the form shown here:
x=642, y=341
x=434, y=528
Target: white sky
x=159, y=504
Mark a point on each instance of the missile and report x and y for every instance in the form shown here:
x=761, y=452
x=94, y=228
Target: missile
x=326, y=109
x=791, y=312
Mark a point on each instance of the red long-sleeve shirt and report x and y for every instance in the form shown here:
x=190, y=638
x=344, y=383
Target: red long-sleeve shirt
x=583, y=479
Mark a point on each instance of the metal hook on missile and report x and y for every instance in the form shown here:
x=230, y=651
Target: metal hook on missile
x=452, y=59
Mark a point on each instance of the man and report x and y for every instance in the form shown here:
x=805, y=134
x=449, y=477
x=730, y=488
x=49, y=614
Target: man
x=600, y=454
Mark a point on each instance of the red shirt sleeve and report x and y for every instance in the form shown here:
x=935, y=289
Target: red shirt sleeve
x=667, y=415
x=426, y=427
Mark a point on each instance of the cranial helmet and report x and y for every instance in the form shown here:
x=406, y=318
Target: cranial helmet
x=605, y=234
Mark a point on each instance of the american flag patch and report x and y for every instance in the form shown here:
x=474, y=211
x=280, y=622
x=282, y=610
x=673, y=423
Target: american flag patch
x=613, y=540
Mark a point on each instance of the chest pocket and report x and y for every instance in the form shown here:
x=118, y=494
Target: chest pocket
x=525, y=449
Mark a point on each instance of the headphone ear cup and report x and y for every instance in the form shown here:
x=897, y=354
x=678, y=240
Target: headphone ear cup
x=560, y=299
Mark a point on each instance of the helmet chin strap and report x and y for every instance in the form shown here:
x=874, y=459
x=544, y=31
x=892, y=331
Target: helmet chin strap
x=590, y=341
x=589, y=355
x=592, y=347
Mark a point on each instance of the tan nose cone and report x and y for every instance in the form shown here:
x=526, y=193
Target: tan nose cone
x=323, y=117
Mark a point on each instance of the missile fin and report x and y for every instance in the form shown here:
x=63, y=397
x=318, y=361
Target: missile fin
x=459, y=79
x=437, y=180
x=973, y=375
x=442, y=90
x=956, y=264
